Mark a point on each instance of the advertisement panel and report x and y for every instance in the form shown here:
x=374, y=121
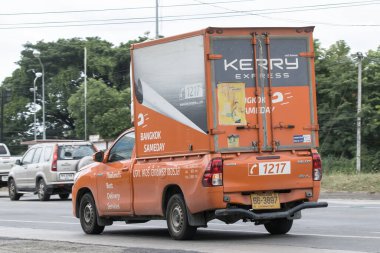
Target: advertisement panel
x=169, y=88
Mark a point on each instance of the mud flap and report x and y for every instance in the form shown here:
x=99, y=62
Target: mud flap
x=196, y=220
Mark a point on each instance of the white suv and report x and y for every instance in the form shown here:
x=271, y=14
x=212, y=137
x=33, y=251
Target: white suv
x=47, y=169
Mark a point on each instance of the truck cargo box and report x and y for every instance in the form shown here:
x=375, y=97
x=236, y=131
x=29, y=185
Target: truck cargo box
x=225, y=90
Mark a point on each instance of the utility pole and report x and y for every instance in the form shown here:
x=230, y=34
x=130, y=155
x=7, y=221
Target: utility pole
x=358, y=119
x=85, y=93
x=2, y=115
x=157, y=19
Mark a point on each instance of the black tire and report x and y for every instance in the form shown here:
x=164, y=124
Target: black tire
x=12, y=190
x=176, y=218
x=42, y=193
x=279, y=227
x=89, y=216
x=64, y=195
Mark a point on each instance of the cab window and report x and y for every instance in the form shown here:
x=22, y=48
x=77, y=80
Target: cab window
x=122, y=150
x=28, y=157
x=37, y=155
x=47, y=153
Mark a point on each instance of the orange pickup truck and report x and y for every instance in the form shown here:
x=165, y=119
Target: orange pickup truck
x=225, y=127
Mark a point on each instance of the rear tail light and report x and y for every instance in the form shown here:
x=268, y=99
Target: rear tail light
x=317, y=167
x=214, y=173
x=55, y=159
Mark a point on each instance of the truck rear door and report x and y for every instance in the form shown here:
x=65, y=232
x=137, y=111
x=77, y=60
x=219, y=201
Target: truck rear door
x=264, y=109
x=257, y=113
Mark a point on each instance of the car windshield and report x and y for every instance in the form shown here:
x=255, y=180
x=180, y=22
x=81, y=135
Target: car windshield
x=74, y=152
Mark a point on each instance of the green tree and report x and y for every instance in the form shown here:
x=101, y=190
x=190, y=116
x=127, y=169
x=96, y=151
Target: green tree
x=371, y=110
x=63, y=62
x=336, y=96
x=108, y=111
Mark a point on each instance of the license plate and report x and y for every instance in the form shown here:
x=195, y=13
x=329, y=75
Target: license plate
x=66, y=177
x=4, y=178
x=265, y=200
x=269, y=168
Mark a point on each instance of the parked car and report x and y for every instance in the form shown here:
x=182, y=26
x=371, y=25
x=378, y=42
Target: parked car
x=6, y=163
x=47, y=169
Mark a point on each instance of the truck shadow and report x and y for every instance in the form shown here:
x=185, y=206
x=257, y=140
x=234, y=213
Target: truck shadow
x=201, y=235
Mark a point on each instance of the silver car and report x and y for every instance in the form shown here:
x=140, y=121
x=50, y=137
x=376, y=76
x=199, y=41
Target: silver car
x=47, y=169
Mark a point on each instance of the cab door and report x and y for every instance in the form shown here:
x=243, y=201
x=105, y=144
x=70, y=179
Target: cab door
x=114, y=181
x=20, y=172
x=34, y=168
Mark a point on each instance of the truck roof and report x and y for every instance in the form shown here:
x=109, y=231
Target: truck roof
x=217, y=30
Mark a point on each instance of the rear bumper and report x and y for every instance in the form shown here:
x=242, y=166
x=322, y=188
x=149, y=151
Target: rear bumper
x=234, y=214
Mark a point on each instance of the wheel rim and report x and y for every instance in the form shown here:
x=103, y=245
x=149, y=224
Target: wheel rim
x=177, y=218
x=12, y=189
x=41, y=189
x=88, y=213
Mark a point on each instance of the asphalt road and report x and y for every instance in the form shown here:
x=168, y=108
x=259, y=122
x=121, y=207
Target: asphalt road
x=346, y=225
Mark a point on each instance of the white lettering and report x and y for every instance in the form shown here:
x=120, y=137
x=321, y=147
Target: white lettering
x=261, y=110
x=154, y=147
x=150, y=136
x=245, y=64
x=113, y=206
x=113, y=196
x=231, y=64
x=109, y=186
x=276, y=62
x=252, y=100
x=114, y=174
x=262, y=63
x=291, y=65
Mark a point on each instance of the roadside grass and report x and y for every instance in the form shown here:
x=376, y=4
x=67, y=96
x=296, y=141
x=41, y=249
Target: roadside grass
x=339, y=182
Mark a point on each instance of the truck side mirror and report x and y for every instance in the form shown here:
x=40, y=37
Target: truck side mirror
x=18, y=162
x=98, y=156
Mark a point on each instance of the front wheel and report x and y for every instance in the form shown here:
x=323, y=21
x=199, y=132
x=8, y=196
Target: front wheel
x=176, y=217
x=12, y=189
x=42, y=193
x=89, y=216
x=279, y=227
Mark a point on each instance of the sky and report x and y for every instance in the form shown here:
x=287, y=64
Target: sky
x=21, y=21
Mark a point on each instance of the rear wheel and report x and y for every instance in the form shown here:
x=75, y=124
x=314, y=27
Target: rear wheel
x=12, y=189
x=176, y=217
x=64, y=195
x=89, y=216
x=279, y=226
x=42, y=193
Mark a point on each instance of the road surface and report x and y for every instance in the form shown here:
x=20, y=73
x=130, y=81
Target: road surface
x=346, y=225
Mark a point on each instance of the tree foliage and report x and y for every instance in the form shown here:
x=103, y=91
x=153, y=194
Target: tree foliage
x=63, y=61
x=108, y=112
x=337, y=84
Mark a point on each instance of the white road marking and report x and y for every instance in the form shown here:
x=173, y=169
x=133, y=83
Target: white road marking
x=42, y=222
x=319, y=235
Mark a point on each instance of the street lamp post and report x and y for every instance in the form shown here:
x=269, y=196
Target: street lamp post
x=37, y=55
x=359, y=109
x=38, y=75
